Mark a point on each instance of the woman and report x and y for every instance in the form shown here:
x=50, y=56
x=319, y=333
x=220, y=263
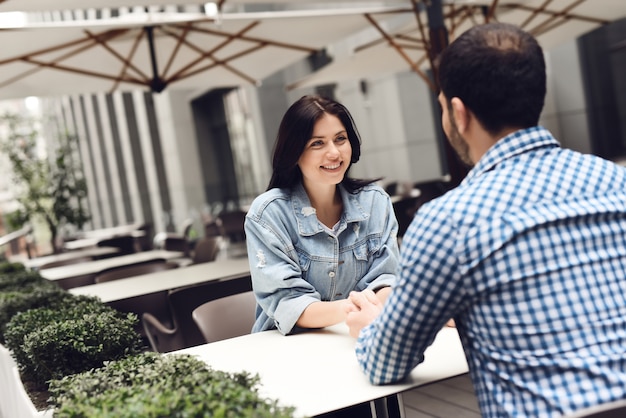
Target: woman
x=316, y=234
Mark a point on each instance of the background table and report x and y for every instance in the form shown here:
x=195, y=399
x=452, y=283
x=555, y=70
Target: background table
x=74, y=275
x=166, y=280
x=317, y=371
x=95, y=252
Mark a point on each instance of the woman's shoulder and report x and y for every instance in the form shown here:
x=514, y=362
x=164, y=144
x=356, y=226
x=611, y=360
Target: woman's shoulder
x=374, y=191
x=273, y=198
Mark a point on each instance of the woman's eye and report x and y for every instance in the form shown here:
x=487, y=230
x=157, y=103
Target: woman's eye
x=341, y=139
x=316, y=143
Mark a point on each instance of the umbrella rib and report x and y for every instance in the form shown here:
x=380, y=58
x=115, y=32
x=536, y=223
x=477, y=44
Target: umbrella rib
x=401, y=51
x=492, y=10
x=207, y=54
x=223, y=63
x=255, y=39
x=55, y=64
x=563, y=14
x=261, y=43
x=125, y=60
x=56, y=48
x=78, y=71
x=180, y=39
x=535, y=13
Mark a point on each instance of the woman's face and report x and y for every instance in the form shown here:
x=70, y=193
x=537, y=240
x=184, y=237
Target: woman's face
x=326, y=156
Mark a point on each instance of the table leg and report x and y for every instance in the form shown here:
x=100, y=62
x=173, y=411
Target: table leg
x=388, y=407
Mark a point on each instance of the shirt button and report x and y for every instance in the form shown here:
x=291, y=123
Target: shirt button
x=331, y=274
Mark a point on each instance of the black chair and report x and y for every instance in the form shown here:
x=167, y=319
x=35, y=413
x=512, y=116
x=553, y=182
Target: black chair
x=182, y=301
x=126, y=244
x=206, y=249
x=231, y=225
x=172, y=241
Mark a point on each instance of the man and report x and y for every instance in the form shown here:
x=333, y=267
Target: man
x=527, y=254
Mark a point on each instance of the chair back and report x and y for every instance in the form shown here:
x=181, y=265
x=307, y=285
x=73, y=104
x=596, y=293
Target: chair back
x=226, y=317
x=162, y=338
x=185, y=299
x=206, y=250
x=126, y=244
x=123, y=272
x=231, y=224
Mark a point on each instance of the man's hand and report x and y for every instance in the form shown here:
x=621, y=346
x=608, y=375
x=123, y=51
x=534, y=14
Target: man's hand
x=368, y=307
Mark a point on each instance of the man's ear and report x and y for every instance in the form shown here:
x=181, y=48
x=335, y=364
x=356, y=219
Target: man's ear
x=460, y=114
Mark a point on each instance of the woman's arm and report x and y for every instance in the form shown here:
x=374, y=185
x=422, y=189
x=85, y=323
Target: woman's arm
x=323, y=314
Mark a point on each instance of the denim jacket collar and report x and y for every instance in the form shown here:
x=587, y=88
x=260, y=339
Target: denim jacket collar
x=305, y=213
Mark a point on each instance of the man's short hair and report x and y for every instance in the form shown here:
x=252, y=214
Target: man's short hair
x=499, y=72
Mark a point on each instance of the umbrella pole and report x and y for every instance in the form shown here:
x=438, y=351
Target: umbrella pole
x=438, y=35
x=157, y=85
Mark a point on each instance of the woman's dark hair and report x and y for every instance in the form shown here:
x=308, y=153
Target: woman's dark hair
x=498, y=71
x=296, y=129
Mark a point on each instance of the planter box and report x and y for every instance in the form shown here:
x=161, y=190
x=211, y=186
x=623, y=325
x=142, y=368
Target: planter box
x=14, y=401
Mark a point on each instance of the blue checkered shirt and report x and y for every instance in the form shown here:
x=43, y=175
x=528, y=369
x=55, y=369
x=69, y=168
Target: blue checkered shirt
x=528, y=255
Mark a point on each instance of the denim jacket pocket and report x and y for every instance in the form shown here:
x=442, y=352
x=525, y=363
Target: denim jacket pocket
x=363, y=255
x=305, y=262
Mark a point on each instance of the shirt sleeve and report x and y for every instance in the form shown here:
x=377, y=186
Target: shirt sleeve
x=385, y=267
x=419, y=305
x=277, y=280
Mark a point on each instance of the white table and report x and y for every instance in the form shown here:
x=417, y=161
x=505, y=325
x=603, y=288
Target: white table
x=317, y=371
x=93, y=240
x=110, y=232
x=37, y=262
x=165, y=280
x=77, y=274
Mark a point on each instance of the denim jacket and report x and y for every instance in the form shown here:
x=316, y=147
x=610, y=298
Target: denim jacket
x=295, y=260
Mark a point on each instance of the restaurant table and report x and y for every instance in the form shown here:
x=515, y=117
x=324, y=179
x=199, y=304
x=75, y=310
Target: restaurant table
x=95, y=252
x=92, y=241
x=166, y=280
x=317, y=372
x=74, y=275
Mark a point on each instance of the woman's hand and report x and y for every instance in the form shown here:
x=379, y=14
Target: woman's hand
x=367, y=306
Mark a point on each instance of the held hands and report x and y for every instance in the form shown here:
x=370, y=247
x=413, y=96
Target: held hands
x=363, y=308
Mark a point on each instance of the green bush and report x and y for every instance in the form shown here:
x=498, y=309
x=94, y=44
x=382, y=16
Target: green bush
x=49, y=343
x=9, y=267
x=155, y=385
x=31, y=295
x=17, y=279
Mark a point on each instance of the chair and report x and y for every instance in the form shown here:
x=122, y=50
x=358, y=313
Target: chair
x=172, y=241
x=226, y=317
x=145, y=242
x=126, y=244
x=182, y=301
x=616, y=409
x=231, y=227
x=67, y=262
x=162, y=338
x=231, y=224
x=151, y=266
x=206, y=250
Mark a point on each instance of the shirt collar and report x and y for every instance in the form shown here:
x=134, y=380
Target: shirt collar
x=305, y=214
x=519, y=142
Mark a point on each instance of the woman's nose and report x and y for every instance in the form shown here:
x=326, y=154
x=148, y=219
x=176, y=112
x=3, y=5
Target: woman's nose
x=333, y=150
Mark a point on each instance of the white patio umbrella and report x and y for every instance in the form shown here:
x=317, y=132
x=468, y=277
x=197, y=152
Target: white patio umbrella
x=407, y=46
x=157, y=50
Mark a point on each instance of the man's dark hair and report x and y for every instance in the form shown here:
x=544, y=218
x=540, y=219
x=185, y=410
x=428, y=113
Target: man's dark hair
x=499, y=72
